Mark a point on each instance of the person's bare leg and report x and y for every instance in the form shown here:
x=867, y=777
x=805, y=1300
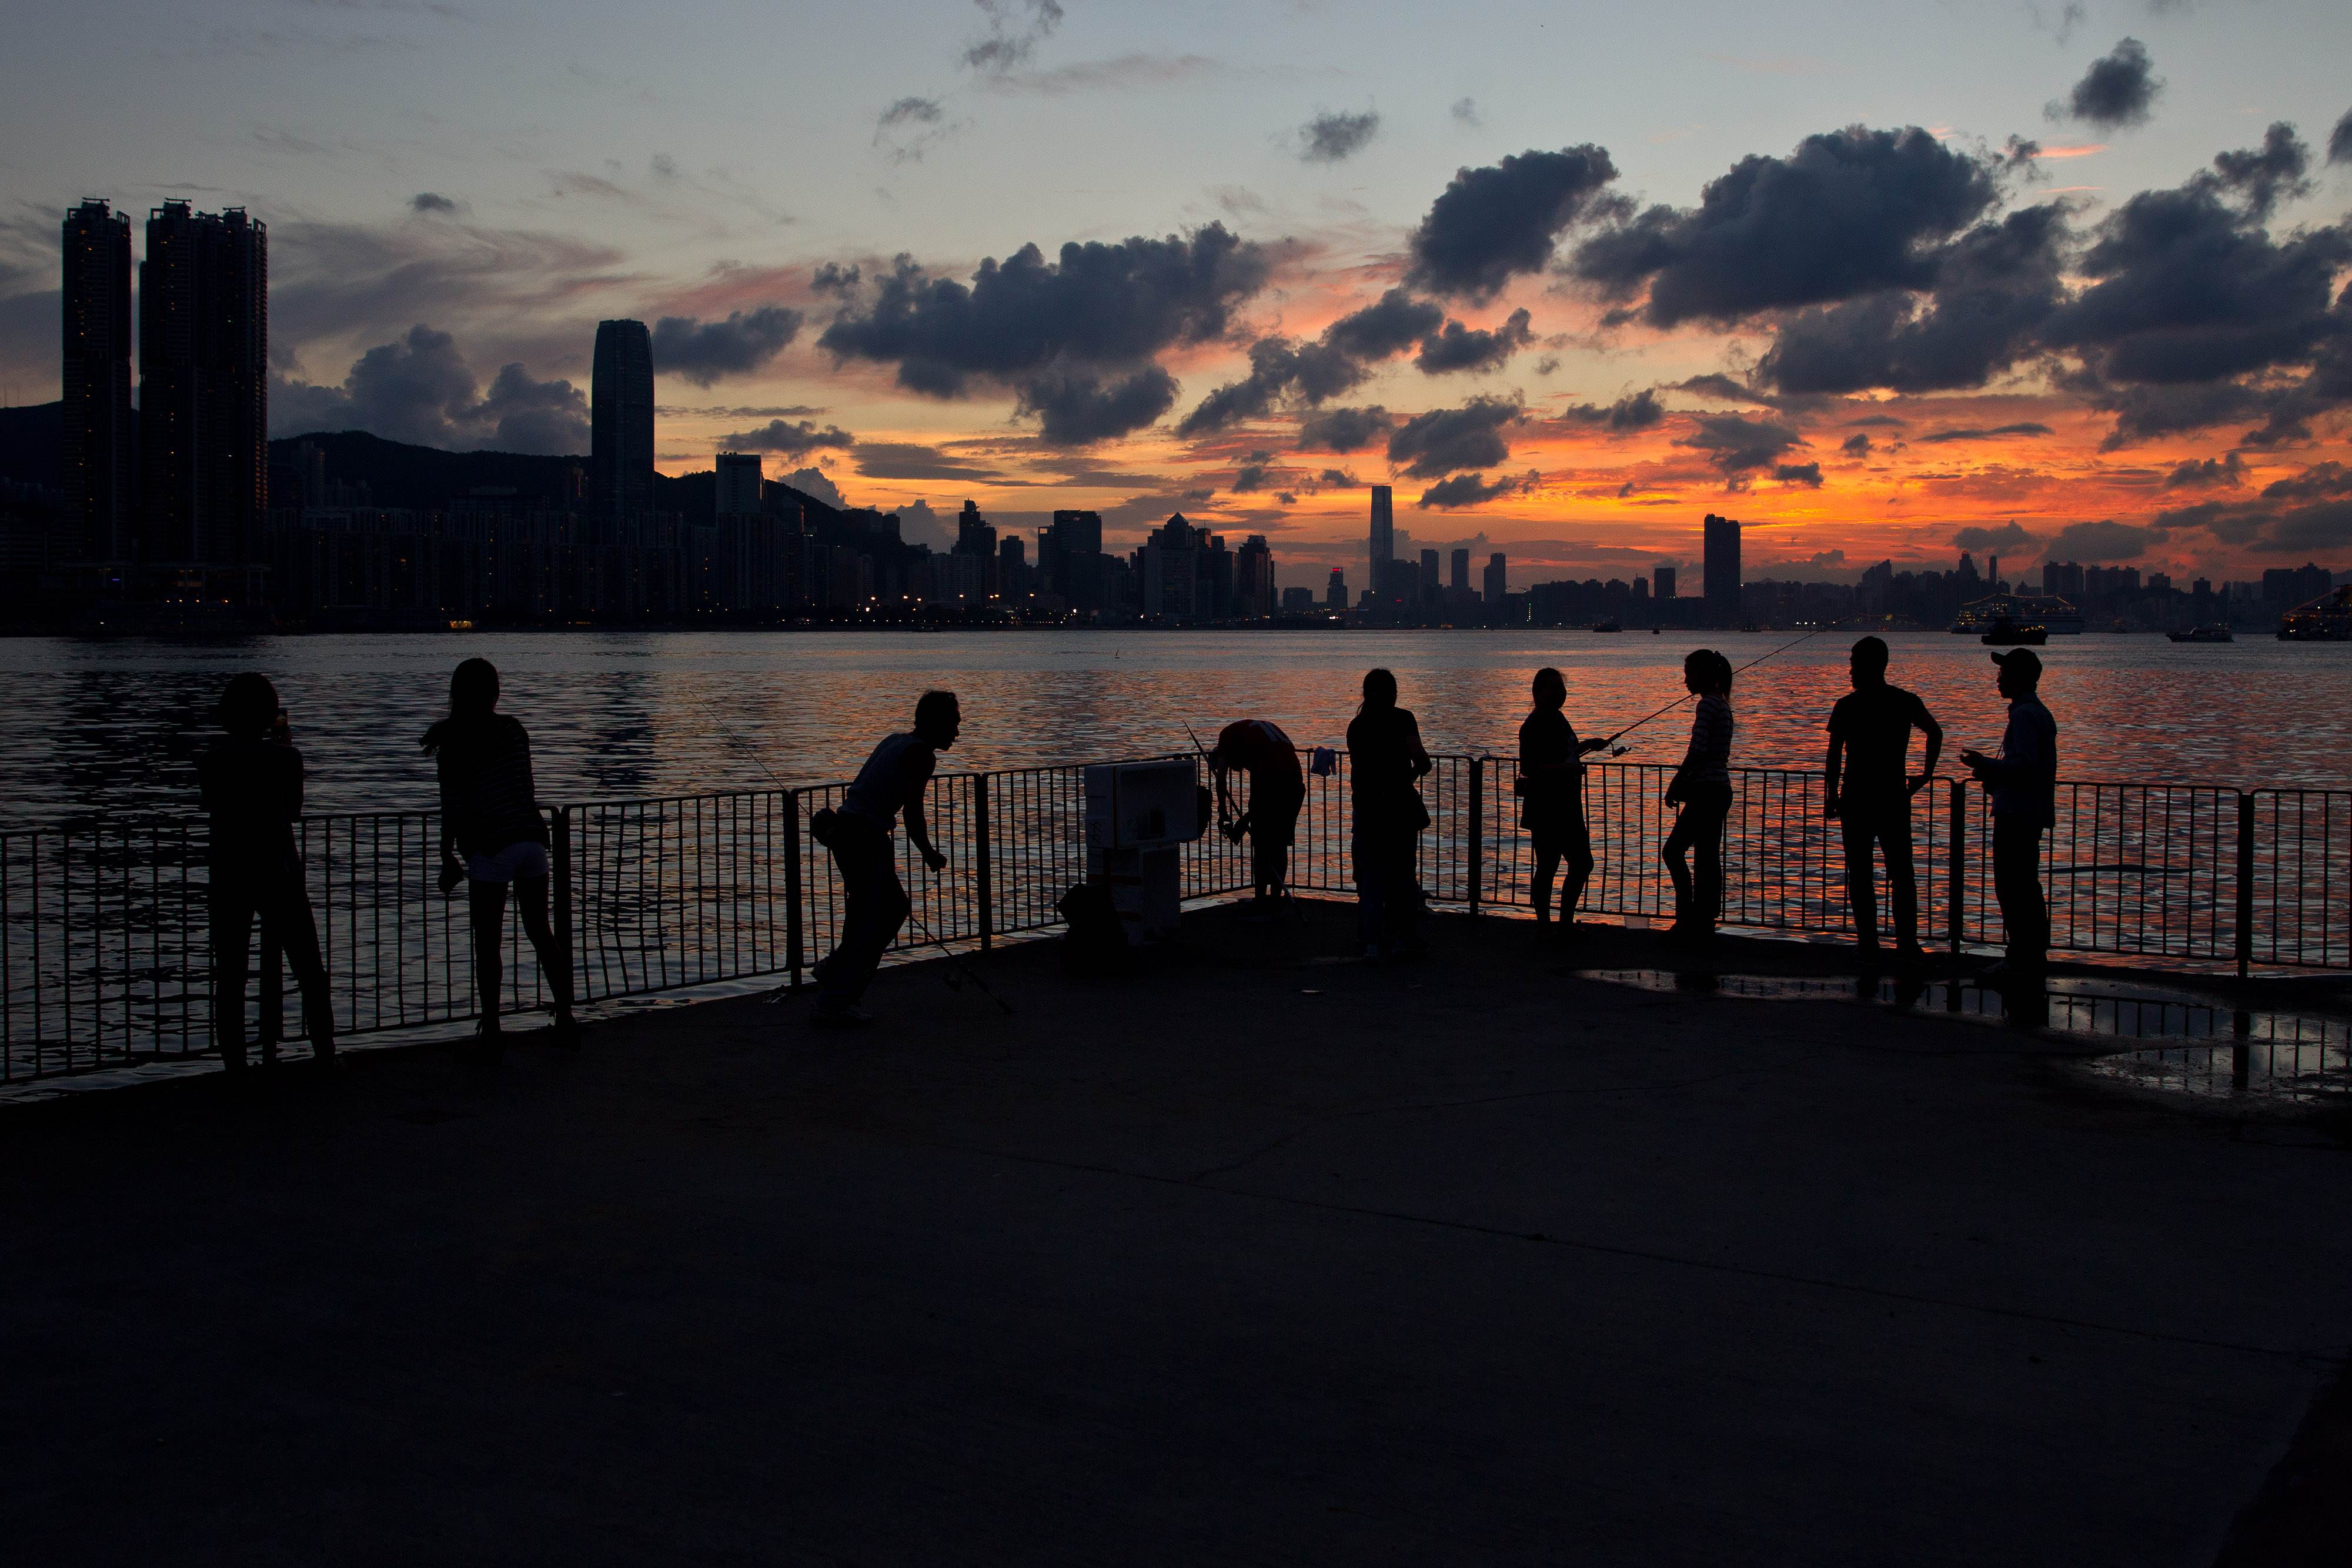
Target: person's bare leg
x=554, y=963
x=487, y=902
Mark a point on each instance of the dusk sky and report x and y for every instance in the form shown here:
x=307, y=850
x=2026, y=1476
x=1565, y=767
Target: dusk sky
x=2047, y=278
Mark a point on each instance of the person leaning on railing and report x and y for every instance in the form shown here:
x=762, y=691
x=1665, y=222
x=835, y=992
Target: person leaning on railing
x=1702, y=787
x=492, y=837
x=1552, y=798
x=2023, y=783
x=252, y=784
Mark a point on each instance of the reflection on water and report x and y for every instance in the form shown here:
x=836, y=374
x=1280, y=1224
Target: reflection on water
x=2210, y=1048
x=113, y=726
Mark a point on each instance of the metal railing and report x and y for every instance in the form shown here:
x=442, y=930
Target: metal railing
x=108, y=950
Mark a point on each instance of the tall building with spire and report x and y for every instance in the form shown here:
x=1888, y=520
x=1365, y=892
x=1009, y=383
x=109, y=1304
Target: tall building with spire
x=621, y=421
x=100, y=447
x=204, y=386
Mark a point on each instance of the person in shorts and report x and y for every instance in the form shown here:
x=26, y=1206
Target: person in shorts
x=859, y=835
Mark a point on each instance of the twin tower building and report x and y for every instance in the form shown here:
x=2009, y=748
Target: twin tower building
x=179, y=482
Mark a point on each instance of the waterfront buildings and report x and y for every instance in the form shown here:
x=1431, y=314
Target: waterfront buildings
x=1662, y=583
x=1382, y=548
x=736, y=484
x=99, y=447
x=621, y=421
x=1719, y=584
x=1498, y=579
x=204, y=387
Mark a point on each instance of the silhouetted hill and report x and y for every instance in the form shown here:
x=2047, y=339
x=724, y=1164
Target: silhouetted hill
x=29, y=435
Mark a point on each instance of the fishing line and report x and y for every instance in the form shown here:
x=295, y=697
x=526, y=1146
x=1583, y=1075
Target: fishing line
x=955, y=960
x=1743, y=669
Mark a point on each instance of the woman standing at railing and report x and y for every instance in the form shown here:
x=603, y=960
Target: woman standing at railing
x=1385, y=761
x=1551, y=803
x=492, y=836
x=1702, y=787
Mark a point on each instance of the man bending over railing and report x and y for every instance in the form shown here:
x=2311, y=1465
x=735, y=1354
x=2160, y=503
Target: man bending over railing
x=859, y=835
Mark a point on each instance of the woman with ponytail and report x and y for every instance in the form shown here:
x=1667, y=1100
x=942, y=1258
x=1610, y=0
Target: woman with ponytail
x=492, y=838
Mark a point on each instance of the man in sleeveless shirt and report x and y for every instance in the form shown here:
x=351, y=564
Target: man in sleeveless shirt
x=859, y=835
x=1277, y=792
x=1870, y=790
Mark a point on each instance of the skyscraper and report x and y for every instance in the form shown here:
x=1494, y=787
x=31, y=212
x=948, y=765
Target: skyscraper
x=1254, y=578
x=1720, y=580
x=737, y=483
x=1498, y=578
x=621, y=421
x=203, y=385
x=1461, y=576
x=1383, y=542
x=1070, y=555
x=1335, y=594
x=101, y=444
x=1661, y=582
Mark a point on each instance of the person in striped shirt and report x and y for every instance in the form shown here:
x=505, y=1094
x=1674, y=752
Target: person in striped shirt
x=1702, y=789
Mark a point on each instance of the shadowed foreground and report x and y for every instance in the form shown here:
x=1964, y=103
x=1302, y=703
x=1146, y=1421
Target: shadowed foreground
x=1248, y=1259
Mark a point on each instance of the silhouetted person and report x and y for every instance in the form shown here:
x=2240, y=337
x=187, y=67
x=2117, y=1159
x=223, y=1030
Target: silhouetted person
x=492, y=833
x=1385, y=761
x=1702, y=787
x=252, y=784
x=1277, y=793
x=859, y=835
x=2023, y=783
x=1870, y=793
x=1552, y=798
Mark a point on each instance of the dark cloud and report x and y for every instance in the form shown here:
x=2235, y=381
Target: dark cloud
x=1460, y=348
x=1857, y=445
x=1344, y=429
x=1339, y=478
x=2145, y=413
x=2339, y=141
x=1716, y=384
x=1076, y=407
x=430, y=202
x=420, y=389
x=1332, y=136
x=2317, y=526
x=2208, y=474
x=1490, y=225
x=1638, y=411
x=913, y=460
x=1283, y=371
x=1430, y=445
x=1988, y=292
x=1014, y=29
x=835, y=278
x=2024, y=427
x=2009, y=537
x=909, y=127
x=704, y=351
x=1249, y=477
x=2118, y=90
x=1286, y=498
x=2318, y=482
x=2264, y=176
x=1466, y=110
x=1738, y=448
x=1100, y=307
x=1849, y=213
x=1887, y=419
x=792, y=438
x=1806, y=473
x=1471, y=490
x=2103, y=541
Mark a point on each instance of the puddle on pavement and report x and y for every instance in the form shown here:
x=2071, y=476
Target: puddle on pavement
x=2172, y=1040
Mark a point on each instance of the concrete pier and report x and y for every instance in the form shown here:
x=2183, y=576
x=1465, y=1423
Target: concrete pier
x=1252, y=1257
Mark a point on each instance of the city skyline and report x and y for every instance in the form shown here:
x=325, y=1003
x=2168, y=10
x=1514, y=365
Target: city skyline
x=1357, y=225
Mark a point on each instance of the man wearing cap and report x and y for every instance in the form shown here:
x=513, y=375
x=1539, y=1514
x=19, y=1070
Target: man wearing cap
x=2023, y=783
x=1870, y=746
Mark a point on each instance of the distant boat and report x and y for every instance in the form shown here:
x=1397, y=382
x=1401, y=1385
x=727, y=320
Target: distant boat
x=2217, y=632
x=2007, y=633
x=2049, y=611
x=1608, y=626
x=2326, y=619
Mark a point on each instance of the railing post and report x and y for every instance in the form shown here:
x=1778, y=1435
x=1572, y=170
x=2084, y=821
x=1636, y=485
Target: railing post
x=986, y=886
x=562, y=918
x=2245, y=943
x=1477, y=829
x=1956, y=876
x=793, y=955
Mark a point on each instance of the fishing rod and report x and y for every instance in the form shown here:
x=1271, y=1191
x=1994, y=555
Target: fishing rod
x=1830, y=626
x=955, y=960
